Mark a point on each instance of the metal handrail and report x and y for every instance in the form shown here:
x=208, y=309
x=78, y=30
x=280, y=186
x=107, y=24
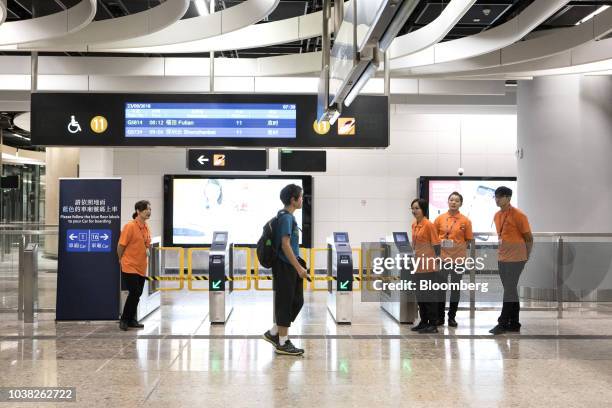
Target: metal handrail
x=29, y=232
x=557, y=234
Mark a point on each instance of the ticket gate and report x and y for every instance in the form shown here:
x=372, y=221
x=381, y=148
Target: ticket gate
x=219, y=267
x=340, y=273
x=401, y=305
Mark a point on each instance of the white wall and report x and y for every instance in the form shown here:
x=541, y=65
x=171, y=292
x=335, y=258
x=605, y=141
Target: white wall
x=365, y=192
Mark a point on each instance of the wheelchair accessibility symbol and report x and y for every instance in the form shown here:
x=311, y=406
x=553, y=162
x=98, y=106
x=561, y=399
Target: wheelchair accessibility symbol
x=73, y=126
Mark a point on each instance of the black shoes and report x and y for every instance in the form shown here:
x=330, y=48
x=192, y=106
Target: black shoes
x=134, y=324
x=429, y=329
x=124, y=325
x=273, y=340
x=499, y=329
x=507, y=327
x=420, y=326
x=452, y=322
x=288, y=349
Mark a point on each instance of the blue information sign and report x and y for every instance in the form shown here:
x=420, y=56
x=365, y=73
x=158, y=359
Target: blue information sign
x=98, y=240
x=88, y=279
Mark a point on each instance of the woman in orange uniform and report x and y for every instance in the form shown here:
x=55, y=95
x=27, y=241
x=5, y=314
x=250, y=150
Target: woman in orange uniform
x=455, y=232
x=426, y=247
x=133, y=251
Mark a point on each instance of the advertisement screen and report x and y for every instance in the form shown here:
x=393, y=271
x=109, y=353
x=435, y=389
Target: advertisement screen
x=478, y=200
x=241, y=206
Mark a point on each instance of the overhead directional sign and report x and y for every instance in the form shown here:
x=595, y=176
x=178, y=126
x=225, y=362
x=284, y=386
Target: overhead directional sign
x=82, y=240
x=227, y=160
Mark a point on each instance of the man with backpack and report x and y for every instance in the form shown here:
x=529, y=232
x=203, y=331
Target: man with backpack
x=287, y=271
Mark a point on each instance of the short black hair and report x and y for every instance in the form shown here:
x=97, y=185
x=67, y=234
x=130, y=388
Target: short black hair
x=423, y=205
x=290, y=191
x=456, y=193
x=503, y=191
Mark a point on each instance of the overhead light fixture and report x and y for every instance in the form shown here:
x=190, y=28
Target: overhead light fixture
x=202, y=7
x=593, y=14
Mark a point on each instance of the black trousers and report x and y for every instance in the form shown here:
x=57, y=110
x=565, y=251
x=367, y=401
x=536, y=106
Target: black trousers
x=134, y=283
x=288, y=293
x=428, y=300
x=509, y=273
x=454, y=294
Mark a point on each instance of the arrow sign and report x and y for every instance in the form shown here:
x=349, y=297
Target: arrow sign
x=344, y=285
x=202, y=159
x=72, y=237
x=105, y=237
x=216, y=284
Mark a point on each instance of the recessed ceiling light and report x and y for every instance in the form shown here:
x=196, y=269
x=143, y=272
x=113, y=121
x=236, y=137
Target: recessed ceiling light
x=593, y=14
x=477, y=20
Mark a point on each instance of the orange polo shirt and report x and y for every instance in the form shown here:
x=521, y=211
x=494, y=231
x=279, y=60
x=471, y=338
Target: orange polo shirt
x=457, y=228
x=424, y=237
x=136, y=238
x=511, y=224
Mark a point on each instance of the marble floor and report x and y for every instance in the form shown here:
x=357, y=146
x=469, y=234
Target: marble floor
x=180, y=360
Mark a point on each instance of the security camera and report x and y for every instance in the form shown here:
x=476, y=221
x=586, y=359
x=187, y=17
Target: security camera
x=460, y=171
x=486, y=11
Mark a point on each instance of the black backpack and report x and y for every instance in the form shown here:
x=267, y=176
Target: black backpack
x=266, y=251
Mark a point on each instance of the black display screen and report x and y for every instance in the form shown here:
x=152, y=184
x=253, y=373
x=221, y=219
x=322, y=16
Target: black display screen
x=240, y=120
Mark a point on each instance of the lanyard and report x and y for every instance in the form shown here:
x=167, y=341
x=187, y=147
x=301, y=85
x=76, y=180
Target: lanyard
x=501, y=229
x=448, y=230
x=144, y=236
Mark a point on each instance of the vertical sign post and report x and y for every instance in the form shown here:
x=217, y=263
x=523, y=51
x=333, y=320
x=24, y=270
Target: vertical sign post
x=88, y=279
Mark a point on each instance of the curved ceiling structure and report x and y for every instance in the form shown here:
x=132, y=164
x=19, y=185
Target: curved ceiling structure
x=131, y=26
x=556, y=42
x=48, y=27
x=258, y=35
x=433, y=32
x=202, y=27
x=485, y=42
x=3, y=11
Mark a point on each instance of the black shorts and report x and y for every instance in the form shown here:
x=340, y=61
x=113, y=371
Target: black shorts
x=288, y=293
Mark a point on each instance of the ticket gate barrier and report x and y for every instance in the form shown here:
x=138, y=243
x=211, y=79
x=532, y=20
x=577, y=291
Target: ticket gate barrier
x=340, y=275
x=220, y=304
x=400, y=305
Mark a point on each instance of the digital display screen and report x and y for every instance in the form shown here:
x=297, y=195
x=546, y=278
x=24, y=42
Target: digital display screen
x=219, y=237
x=340, y=237
x=400, y=237
x=240, y=206
x=478, y=200
x=210, y=120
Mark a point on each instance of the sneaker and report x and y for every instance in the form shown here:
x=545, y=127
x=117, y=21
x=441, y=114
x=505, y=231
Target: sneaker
x=135, y=324
x=289, y=349
x=123, y=325
x=429, y=329
x=440, y=322
x=499, y=329
x=273, y=340
x=420, y=326
x=452, y=322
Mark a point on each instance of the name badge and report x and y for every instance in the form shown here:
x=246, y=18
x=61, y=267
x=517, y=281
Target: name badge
x=447, y=243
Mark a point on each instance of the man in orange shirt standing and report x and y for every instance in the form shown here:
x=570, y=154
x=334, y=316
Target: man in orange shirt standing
x=455, y=232
x=133, y=251
x=515, y=244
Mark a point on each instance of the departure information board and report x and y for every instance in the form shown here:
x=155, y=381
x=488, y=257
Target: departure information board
x=210, y=120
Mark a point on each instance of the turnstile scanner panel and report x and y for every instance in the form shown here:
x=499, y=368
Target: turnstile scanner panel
x=340, y=284
x=219, y=268
x=401, y=305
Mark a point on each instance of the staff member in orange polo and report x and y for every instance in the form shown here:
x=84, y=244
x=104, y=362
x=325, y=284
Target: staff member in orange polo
x=426, y=247
x=133, y=251
x=455, y=233
x=515, y=244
